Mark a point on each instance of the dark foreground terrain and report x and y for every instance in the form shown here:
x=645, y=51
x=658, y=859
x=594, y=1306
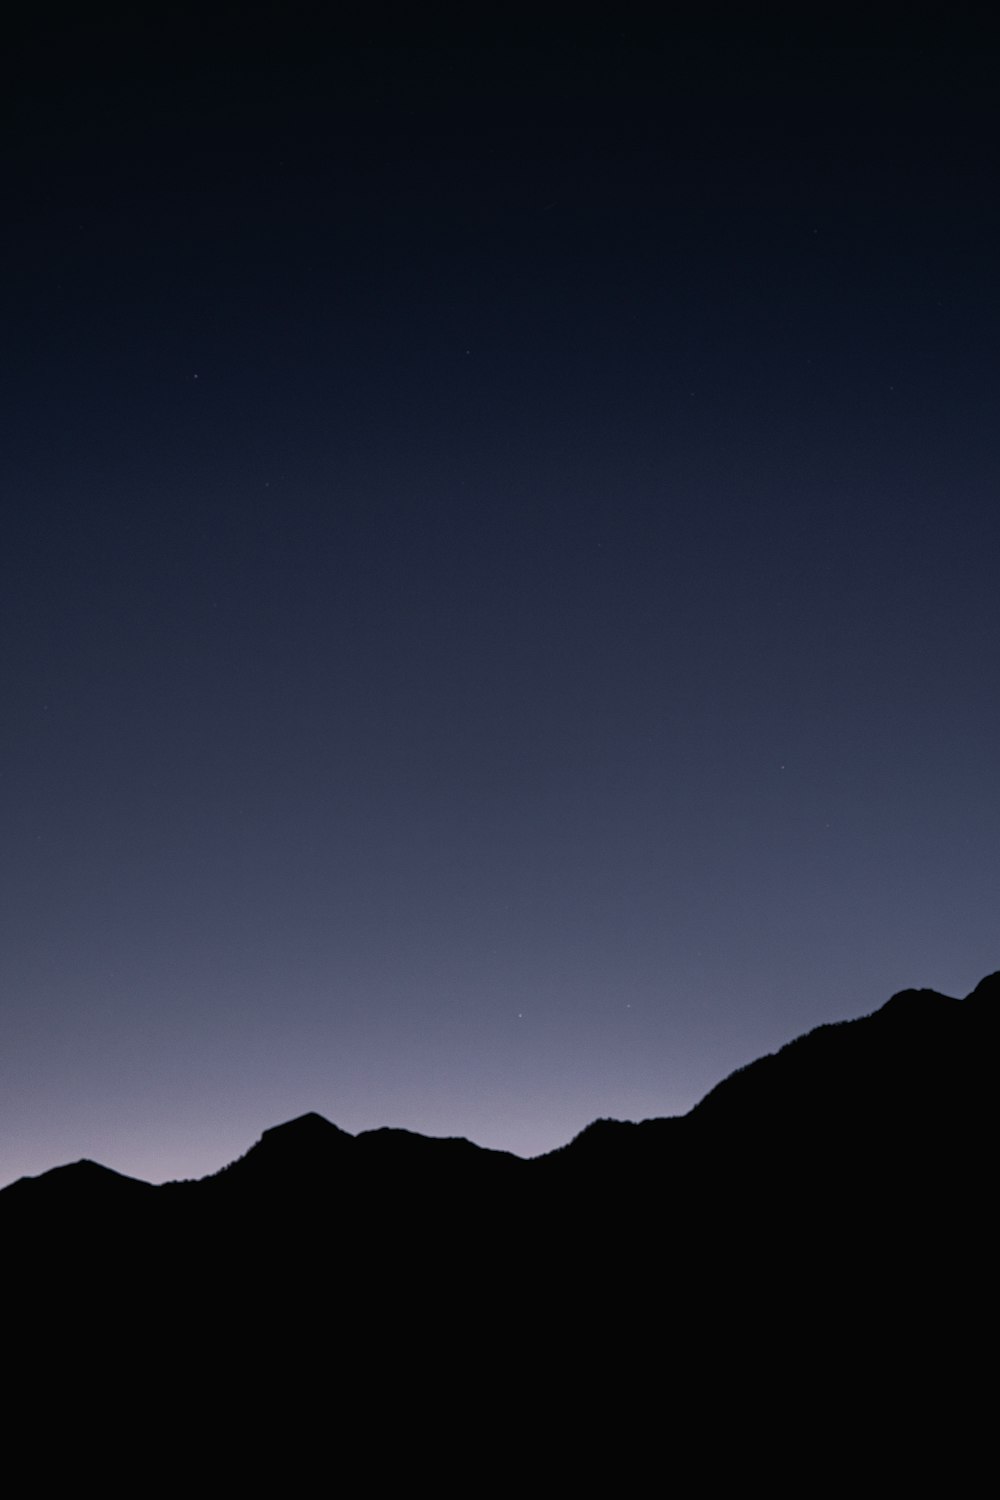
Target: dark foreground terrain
x=793, y=1283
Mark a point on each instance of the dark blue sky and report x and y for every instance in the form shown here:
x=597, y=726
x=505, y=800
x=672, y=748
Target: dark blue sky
x=499, y=622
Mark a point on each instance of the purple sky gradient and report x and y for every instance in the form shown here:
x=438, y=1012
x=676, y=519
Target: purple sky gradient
x=498, y=573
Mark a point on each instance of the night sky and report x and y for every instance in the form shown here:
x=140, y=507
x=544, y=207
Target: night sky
x=499, y=550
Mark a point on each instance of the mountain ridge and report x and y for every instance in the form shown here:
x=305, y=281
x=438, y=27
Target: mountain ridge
x=809, y=1247
x=924, y=1025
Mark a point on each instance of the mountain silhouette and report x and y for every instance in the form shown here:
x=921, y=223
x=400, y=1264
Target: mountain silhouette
x=913, y=1078
x=807, y=1251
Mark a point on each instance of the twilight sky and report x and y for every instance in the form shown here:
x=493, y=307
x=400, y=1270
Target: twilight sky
x=498, y=569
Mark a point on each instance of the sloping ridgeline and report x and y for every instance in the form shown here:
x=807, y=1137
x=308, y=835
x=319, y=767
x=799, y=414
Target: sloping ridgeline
x=797, y=1272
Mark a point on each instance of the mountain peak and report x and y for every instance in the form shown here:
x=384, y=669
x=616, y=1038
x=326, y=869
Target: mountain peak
x=929, y=1004
x=308, y=1127
x=987, y=989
